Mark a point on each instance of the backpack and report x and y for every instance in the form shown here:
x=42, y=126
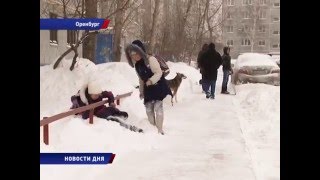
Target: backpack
x=163, y=65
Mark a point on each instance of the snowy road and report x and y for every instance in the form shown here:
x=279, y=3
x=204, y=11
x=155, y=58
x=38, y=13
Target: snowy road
x=231, y=137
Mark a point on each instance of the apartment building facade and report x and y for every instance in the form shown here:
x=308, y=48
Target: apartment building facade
x=53, y=43
x=251, y=26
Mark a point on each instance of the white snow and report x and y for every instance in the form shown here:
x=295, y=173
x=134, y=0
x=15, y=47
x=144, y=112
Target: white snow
x=254, y=59
x=259, y=114
x=231, y=137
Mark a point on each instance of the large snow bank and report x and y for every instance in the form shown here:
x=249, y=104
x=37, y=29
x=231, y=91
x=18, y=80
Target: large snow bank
x=60, y=84
x=259, y=114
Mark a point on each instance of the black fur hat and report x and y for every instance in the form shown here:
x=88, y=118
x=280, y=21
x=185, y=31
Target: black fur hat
x=140, y=44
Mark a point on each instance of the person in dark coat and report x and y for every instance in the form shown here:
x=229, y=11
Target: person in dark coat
x=203, y=49
x=153, y=87
x=227, y=70
x=210, y=62
x=92, y=93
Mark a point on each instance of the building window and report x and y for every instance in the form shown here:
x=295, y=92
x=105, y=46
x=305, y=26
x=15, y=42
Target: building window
x=276, y=19
x=229, y=42
x=246, y=15
x=230, y=2
x=247, y=28
x=262, y=29
x=71, y=37
x=276, y=46
x=263, y=2
x=53, y=33
x=245, y=42
x=262, y=43
x=276, y=4
x=229, y=16
x=229, y=29
x=247, y=2
x=276, y=32
x=262, y=15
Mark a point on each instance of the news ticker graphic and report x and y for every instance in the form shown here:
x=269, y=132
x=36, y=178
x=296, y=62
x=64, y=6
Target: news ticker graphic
x=73, y=24
x=76, y=158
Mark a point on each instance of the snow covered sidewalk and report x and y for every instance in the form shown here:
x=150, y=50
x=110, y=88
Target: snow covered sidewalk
x=203, y=141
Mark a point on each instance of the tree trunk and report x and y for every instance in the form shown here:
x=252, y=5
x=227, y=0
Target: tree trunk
x=64, y=9
x=154, y=24
x=208, y=20
x=165, y=29
x=89, y=44
x=181, y=30
x=200, y=26
x=146, y=20
x=118, y=31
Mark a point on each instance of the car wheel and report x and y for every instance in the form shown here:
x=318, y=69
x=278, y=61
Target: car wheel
x=244, y=82
x=276, y=83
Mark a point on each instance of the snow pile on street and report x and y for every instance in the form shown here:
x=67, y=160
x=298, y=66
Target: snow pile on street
x=57, y=86
x=60, y=84
x=117, y=77
x=192, y=74
x=259, y=114
x=254, y=59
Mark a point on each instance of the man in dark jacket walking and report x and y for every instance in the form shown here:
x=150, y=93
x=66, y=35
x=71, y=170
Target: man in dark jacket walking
x=227, y=70
x=210, y=62
x=203, y=50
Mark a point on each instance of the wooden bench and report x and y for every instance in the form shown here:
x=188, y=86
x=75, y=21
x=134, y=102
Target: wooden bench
x=47, y=120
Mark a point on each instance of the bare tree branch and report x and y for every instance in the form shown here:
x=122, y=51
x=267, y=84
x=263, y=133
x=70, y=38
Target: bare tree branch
x=213, y=15
x=119, y=9
x=127, y=23
x=188, y=10
x=112, y=4
x=82, y=9
x=44, y=11
x=76, y=11
x=200, y=24
x=216, y=11
x=73, y=48
x=130, y=13
x=216, y=25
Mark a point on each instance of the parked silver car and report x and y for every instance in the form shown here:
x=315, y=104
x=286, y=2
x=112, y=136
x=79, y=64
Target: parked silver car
x=255, y=68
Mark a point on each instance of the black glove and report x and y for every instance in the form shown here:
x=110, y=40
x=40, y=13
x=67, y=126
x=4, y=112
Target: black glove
x=75, y=104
